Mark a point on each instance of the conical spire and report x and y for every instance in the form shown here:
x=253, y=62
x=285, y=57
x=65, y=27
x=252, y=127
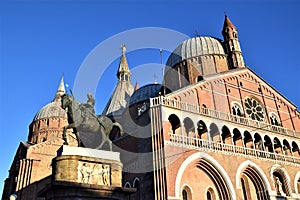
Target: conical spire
x=136, y=87
x=123, y=90
x=123, y=66
x=61, y=88
x=227, y=23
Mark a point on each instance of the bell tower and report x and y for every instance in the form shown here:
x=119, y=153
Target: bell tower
x=232, y=44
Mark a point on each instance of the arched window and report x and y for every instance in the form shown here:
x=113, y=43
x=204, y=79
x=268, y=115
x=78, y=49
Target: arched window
x=208, y=195
x=295, y=149
x=202, y=130
x=277, y=145
x=286, y=148
x=274, y=119
x=186, y=193
x=175, y=122
x=248, y=140
x=258, y=142
x=204, y=109
x=136, y=184
x=237, y=137
x=189, y=126
x=214, y=133
x=237, y=109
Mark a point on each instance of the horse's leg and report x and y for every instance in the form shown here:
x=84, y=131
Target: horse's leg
x=110, y=144
x=100, y=145
x=64, y=135
x=119, y=126
x=77, y=134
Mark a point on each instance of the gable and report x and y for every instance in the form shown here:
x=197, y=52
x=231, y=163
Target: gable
x=221, y=91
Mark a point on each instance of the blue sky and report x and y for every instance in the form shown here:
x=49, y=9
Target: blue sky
x=40, y=40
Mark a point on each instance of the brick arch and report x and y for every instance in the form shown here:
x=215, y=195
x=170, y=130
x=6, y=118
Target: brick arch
x=295, y=149
x=213, y=192
x=188, y=189
x=285, y=176
x=214, y=133
x=189, y=126
x=175, y=122
x=277, y=145
x=258, y=142
x=248, y=140
x=297, y=178
x=202, y=129
x=256, y=170
x=237, y=137
x=286, y=147
x=226, y=135
x=209, y=159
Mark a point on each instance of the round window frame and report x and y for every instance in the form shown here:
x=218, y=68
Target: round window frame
x=258, y=102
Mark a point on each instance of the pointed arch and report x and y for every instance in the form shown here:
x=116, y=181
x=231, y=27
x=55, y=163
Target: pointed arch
x=237, y=137
x=277, y=145
x=189, y=127
x=297, y=183
x=214, y=133
x=202, y=130
x=258, y=142
x=136, y=184
x=295, y=149
x=248, y=140
x=256, y=175
x=284, y=175
x=175, y=122
x=286, y=148
x=226, y=135
x=211, y=161
x=186, y=192
x=268, y=144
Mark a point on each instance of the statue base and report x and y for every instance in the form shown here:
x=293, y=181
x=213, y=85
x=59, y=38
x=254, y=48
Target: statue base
x=84, y=173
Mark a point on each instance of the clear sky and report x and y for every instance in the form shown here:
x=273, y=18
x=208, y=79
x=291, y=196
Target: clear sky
x=40, y=40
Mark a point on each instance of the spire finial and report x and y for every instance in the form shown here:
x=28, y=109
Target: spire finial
x=123, y=66
x=61, y=88
x=123, y=48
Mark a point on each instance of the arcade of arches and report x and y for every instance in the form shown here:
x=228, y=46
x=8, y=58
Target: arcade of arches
x=254, y=182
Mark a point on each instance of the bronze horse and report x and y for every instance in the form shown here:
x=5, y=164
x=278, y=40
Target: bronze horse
x=83, y=121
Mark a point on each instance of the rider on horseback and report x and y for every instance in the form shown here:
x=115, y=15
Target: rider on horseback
x=88, y=109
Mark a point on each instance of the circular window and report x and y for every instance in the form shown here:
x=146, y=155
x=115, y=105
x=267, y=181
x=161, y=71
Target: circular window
x=254, y=109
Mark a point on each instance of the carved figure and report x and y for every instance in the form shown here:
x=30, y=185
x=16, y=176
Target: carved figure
x=105, y=174
x=85, y=173
x=278, y=185
x=92, y=133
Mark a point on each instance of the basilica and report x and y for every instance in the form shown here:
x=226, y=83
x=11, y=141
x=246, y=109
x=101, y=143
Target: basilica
x=213, y=130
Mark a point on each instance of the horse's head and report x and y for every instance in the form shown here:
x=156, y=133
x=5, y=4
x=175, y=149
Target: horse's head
x=66, y=101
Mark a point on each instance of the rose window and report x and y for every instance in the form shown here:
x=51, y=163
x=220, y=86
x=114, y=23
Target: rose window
x=254, y=109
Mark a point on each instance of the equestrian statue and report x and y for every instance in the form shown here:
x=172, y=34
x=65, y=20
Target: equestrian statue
x=91, y=130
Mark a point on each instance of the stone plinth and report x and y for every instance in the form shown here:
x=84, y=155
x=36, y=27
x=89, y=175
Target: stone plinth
x=85, y=173
x=84, y=165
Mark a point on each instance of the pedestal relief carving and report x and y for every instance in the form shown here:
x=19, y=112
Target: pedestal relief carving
x=93, y=173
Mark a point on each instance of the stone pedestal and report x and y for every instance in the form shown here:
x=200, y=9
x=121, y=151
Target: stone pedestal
x=85, y=173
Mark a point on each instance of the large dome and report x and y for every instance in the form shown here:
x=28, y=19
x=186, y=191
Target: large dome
x=52, y=109
x=197, y=46
x=144, y=93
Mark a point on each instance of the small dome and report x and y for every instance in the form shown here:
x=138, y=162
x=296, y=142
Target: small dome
x=192, y=47
x=145, y=92
x=52, y=109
